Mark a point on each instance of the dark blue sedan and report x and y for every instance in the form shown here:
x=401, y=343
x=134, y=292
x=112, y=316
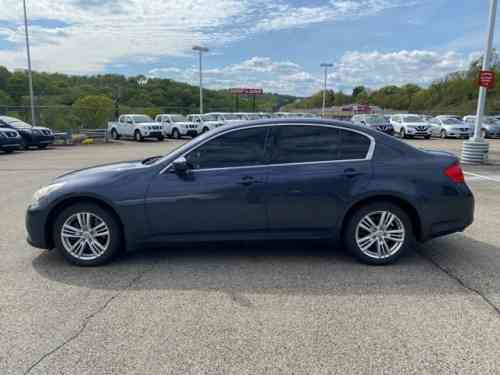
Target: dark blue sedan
x=31, y=136
x=273, y=179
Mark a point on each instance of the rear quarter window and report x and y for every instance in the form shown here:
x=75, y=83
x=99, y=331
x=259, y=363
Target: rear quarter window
x=353, y=145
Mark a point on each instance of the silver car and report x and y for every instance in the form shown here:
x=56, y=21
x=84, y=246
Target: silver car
x=490, y=128
x=450, y=128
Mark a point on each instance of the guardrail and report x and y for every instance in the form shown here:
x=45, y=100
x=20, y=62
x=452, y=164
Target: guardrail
x=95, y=133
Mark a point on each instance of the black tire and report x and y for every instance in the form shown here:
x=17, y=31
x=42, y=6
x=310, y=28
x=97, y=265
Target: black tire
x=42, y=147
x=8, y=151
x=402, y=133
x=176, y=134
x=443, y=134
x=138, y=136
x=484, y=133
x=161, y=138
x=115, y=238
x=205, y=129
x=352, y=226
x=24, y=145
x=427, y=137
x=115, y=135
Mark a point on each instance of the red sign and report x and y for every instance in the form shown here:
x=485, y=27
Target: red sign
x=487, y=79
x=246, y=91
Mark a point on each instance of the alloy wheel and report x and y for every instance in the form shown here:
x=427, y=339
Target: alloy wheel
x=380, y=234
x=85, y=236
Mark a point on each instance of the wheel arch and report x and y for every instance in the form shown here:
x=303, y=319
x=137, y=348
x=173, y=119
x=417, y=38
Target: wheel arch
x=72, y=200
x=399, y=201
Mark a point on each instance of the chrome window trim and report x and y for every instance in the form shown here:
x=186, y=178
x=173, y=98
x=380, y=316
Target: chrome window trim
x=368, y=157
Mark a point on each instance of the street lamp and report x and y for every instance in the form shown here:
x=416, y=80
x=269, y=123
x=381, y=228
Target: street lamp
x=325, y=66
x=30, y=76
x=200, y=50
x=476, y=149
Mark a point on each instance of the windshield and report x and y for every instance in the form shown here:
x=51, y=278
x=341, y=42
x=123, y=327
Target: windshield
x=412, y=119
x=452, y=121
x=490, y=120
x=375, y=119
x=178, y=118
x=210, y=118
x=142, y=119
x=231, y=117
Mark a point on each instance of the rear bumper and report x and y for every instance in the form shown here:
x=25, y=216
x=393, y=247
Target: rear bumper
x=452, y=215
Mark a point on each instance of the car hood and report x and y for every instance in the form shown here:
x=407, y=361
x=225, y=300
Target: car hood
x=184, y=123
x=100, y=171
x=149, y=124
x=416, y=123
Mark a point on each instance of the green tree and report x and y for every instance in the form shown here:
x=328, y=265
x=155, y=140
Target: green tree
x=357, y=91
x=4, y=77
x=94, y=111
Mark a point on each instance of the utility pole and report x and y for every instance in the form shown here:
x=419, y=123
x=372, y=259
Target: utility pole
x=325, y=66
x=476, y=149
x=30, y=74
x=200, y=51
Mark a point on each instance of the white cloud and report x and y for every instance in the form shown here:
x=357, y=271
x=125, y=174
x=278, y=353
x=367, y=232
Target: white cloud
x=376, y=69
x=101, y=33
x=257, y=72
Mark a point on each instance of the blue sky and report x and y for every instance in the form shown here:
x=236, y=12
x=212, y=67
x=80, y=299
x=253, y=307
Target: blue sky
x=275, y=45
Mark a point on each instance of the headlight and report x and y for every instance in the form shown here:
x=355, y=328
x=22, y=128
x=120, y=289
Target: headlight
x=2, y=135
x=43, y=193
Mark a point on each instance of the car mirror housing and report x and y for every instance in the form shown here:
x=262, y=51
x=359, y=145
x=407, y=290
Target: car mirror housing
x=180, y=165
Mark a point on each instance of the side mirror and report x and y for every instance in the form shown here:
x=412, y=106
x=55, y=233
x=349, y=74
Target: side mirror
x=180, y=165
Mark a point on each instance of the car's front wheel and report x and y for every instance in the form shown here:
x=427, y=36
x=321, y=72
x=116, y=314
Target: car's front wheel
x=176, y=134
x=378, y=233
x=138, y=136
x=444, y=134
x=87, y=234
x=114, y=134
x=402, y=133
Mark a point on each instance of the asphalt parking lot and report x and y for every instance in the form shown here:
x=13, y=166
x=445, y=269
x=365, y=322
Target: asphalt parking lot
x=273, y=308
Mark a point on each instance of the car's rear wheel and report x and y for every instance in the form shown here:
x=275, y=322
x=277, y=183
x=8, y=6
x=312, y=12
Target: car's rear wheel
x=138, y=136
x=378, y=233
x=87, y=234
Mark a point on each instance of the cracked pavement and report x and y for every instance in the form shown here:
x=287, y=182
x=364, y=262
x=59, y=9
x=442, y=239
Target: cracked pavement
x=246, y=308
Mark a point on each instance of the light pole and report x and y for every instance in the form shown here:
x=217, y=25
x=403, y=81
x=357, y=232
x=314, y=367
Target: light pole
x=476, y=149
x=30, y=76
x=325, y=66
x=200, y=51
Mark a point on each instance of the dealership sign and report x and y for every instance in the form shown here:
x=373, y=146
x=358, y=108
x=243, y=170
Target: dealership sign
x=246, y=91
x=487, y=79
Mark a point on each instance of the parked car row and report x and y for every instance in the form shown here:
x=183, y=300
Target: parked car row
x=140, y=127
x=444, y=126
x=16, y=134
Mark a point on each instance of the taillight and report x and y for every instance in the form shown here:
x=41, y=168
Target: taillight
x=454, y=173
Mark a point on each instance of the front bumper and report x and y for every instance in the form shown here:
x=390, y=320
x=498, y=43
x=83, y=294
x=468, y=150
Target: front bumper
x=35, y=222
x=154, y=134
x=10, y=144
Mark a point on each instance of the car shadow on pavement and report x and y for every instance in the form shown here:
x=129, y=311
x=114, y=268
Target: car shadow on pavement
x=308, y=268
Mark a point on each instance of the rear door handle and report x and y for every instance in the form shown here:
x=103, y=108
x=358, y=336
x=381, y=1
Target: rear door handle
x=351, y=172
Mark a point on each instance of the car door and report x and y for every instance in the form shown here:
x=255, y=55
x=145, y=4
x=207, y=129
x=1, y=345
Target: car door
x=223, y=192
x=314, y=172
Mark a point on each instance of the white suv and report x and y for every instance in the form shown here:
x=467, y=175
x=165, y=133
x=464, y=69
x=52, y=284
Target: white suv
x=205, y=122
x=177, y=126
x=409, y=126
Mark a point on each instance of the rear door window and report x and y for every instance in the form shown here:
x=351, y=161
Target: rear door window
x=302, y=144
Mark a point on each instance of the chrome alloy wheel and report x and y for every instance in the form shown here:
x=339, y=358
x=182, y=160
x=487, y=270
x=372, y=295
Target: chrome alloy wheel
x=380, y=234
x=85, y=236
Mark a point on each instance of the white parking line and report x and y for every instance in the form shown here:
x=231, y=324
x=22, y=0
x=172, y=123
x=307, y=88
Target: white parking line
x=479, y=177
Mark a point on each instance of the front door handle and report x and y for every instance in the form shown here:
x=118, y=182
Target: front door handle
x=249, y=180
